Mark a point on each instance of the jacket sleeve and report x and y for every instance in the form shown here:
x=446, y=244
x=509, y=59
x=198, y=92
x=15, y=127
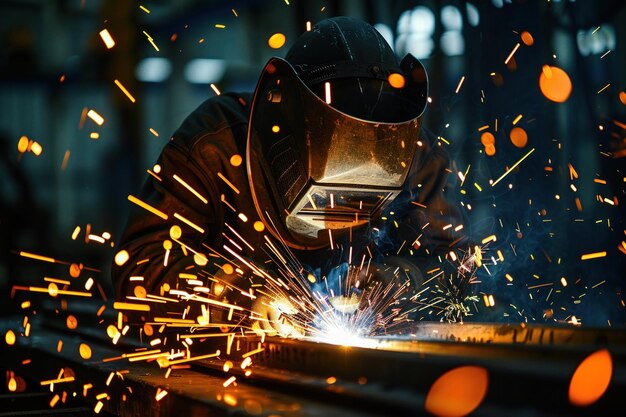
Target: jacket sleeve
x=157, y=251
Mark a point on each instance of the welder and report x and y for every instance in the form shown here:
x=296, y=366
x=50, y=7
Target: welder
x=327, y=157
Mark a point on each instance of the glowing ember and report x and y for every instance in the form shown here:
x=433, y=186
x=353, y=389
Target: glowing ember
x=236, y=160
x=107, y=38
x=85, y=351
x=518, y=136
x=9, y=337
x=125, y=91
x=121, y=257
x=93, y=115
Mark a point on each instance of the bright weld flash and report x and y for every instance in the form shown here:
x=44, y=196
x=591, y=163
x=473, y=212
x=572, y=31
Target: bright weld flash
x=338, y=334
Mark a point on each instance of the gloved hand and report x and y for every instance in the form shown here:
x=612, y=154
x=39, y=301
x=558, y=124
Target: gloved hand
x=341, y=287
x=274, y=317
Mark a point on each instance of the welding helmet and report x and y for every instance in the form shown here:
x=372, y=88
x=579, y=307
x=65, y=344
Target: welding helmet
x=333, y=132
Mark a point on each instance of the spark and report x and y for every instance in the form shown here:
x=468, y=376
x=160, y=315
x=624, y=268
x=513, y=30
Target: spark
x=155, y=176
x=229, y=381
x=53, y=290
x=598, y=284
x=506, y=61
x=57, y=281
x=96, y=238
x=151, y=41
x=130, y=306
x=147, y=206
x=191, y=189
x=491, y=238
x=66, y=157
x=93, y=115
x=458, y=87
x=148, y=357
x=125, y=91
x=513, y=167
x=230, y=184
x=253, y=352
x=327, y=94
x=98, y=407
x=572, y=172
x=161, y=393
x=107, y=38
x=539, y=286
x=240, y=237
x=195, y=358
x=203, y=335
x=172, y=320
x=38, y=257
x=188, y=222
x=594, y=255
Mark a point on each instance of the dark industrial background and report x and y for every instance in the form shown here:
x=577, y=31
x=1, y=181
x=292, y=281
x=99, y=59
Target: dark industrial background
x=53, y=66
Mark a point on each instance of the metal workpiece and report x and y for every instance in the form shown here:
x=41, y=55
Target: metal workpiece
x=529, y=367
x=526, y=369
x=142, y=389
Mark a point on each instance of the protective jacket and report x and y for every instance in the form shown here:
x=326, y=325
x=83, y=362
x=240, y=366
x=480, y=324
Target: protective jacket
x=202, y=186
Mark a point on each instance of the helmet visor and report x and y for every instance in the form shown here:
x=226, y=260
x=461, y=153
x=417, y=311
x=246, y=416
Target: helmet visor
x=313, y=165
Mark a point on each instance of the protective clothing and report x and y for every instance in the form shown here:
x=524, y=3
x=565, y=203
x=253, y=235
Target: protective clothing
x=204, y=155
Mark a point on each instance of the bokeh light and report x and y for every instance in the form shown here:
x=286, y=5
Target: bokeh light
x=555, y=84
x=591, y=379
x=457, y=392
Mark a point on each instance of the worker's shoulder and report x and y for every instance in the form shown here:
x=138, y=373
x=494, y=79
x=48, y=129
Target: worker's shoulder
x=216, y=118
